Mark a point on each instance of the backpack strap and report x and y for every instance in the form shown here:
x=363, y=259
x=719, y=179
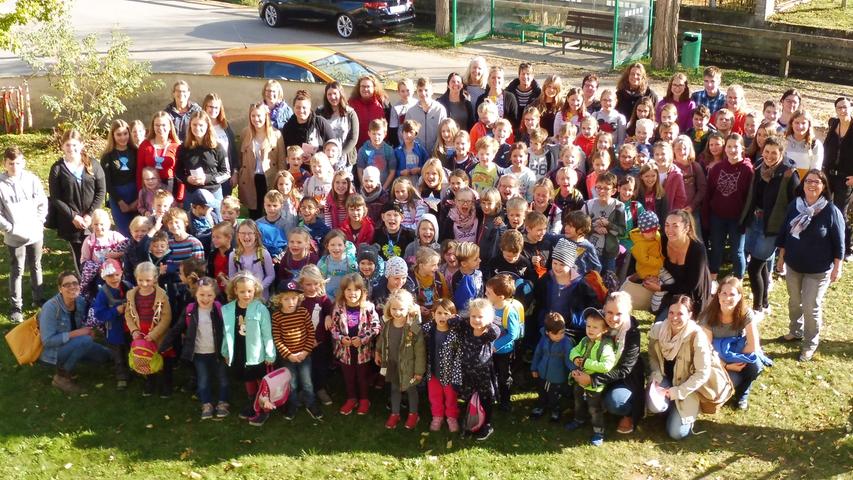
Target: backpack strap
x=190, y=309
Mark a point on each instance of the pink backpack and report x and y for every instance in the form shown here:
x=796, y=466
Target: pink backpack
x=274, y=390
x=475, y=416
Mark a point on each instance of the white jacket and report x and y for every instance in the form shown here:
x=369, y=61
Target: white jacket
x=23, y=209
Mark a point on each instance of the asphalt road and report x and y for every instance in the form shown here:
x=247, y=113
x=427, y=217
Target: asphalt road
x=179, y=36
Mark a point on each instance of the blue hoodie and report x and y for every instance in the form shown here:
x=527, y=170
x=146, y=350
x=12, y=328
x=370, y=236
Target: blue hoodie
x=551, y=359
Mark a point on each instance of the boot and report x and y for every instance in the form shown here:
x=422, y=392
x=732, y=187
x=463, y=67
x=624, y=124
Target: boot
x=62, y=380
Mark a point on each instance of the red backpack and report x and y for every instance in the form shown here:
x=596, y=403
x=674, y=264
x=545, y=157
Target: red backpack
x=274, y=390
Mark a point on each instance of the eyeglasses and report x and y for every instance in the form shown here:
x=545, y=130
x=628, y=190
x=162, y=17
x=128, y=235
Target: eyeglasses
x=72, y=284
x=814, y=182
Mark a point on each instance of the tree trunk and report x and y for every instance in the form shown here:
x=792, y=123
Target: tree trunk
x=442, y=17
x=665, y=34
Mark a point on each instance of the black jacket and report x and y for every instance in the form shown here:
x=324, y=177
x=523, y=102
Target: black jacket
x=534, y=95
x=511, y=112
x=630, y=371
x=211, y=160
x=69, y=198
x=837, y=151
x=444, y=99
x=187, y=325
x=315, y=132
x=626, y=99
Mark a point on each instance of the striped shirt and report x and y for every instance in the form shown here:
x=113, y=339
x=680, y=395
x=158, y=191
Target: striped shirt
x=292, y=332
x=184, y=249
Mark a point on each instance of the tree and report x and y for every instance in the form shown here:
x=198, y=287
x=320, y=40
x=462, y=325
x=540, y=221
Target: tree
x=665, y=34
x=91, y=86
x=442, y=17
x=24, y=12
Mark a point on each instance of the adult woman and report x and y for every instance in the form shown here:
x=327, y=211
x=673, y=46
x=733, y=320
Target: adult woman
x=624, y=384
x=66, y=341
x=765, y=130
x=733, y=332
x=341, y=118
x=280, y=111
x=262, y=155
x=505, y=100
x=160, y=151
x=683, y=363
x=838, y=162
x=550, y=102
x=369, y=101
x=457, y=102
x=306, y=129
x=773, y=188
x=202, y=161
x=181, y=108
x=811, y=247
x=119, y=164
x=678, y=94
x=791, y=100
x=76, y=189
x=685, y=260
x=212, y=105
x=476, y=78
x=801, y=144
x=632, y=85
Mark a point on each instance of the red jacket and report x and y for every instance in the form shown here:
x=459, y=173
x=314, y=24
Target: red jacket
x=145, y=158
x=366, y=110
x=365, y=235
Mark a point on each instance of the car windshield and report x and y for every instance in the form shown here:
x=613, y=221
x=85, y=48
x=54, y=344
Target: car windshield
x=345, y=70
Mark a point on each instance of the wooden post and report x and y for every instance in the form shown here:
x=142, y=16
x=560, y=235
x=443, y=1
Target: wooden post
x=784, y=59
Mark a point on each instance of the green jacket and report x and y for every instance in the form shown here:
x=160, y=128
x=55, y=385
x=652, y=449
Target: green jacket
x=412, y=355
x=599, y=357
x=259, y=344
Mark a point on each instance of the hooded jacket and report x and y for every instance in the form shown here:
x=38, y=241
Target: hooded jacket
x=412, y=355
x=23, y=209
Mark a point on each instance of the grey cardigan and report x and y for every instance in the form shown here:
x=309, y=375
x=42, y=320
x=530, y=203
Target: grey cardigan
x=23, y=209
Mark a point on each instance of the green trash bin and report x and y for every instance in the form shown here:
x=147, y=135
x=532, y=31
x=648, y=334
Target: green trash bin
x=691, y=48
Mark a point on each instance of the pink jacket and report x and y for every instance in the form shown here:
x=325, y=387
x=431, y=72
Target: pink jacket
x=368, y=327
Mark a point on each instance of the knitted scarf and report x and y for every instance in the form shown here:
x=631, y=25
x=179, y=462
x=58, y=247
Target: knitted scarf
x=806, y=213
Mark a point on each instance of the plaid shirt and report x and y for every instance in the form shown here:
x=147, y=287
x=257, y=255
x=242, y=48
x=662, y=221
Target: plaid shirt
x=713, y=103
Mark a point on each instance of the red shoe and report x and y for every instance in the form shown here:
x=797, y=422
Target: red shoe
x=348, y=406
x=412, y=421
x=363, y=406
x=392, y=421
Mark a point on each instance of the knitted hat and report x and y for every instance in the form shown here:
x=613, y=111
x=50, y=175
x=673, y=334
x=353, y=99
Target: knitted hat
x=110, y=267
x=336, y=142
x=648, y=221
x=369, y=253
x=372, y=173
x=565, y=251
x=396, y=266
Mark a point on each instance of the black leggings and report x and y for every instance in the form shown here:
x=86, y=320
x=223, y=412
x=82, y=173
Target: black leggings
x=759, y=280
x=260, y=191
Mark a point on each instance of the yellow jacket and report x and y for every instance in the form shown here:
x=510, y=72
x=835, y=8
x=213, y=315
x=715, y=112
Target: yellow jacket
x=647, y=254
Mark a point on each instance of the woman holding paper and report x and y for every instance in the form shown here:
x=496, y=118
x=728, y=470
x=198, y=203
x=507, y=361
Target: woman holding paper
x=202, y=161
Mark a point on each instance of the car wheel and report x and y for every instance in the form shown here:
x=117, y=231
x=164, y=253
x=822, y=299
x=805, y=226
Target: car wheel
x=345, y=26
x=271, y=16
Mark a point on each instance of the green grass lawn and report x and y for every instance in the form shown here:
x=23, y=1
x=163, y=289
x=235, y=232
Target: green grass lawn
x=819, y=13
x=798, y=424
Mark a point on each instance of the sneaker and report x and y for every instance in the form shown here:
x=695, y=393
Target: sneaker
x=222, y=410
x=259, y=419
x=248, y=411
x=484, y=433
x=363, y=406
x=597, y=439
x=536, y=413
x=412, y=421
x=348, y=406
x=324, y=397
x=805, y=356
x=435, y=424
x=743, y=403
x=16, y=318
x=207, y=411
x=290, y=411
x=121, y=385
x=555, y=417
x=626, y=425
x=574, y=425
x=392, y=421
x=787, y=338
x=315, y=411
x=66, y=384
x=452, y=424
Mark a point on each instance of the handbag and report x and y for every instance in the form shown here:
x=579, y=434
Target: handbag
x=25, y=341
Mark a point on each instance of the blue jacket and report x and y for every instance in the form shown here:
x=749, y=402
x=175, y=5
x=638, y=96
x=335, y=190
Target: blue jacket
x=729, y=349
x=551, y=359
x=105, y=307
x=55, y=324
x=400, y=153
x=819, y=244
x=506, y=340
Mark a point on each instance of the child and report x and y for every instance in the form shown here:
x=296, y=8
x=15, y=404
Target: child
x=543, y=196
x=449, y=263
x=294, y=165
x=230, y=211
x=108, y=308
x=502, y=132
x=724, y=121
x=484, y=175
x=476, y=337
x=750, y=128
x=457, y=180
x=300, y=253
x=670, y=176
x=586, y=140
x=358, y=226
x=202, y=329
x=487, y=115
x=273, y=227
x=600, y=163
x=512, y=263
x=354, y=324
x=217, y=262
x=516, y=211
x=608, y=221
x=701, y=128
x=251, y=256
x=432, y=185
x=770, y=111
x=447, y=130
x=392, y=238
x=626, y=164
x=247, y=343
x=409, y=201
x=568, y=198
x=378, y=154
x=427, y=237
x=461, y=158
x=572, y=111
x=594, y=354
x=576, y=226
x=309, y=213
x=430, y=286
x=101, y=244
x=370, y=266
x=410, y=155
x=319, y=184
x=284, y=183
x=644, y=133
x=493, y=223
x=319, y=306
x=338, y=261
x=332, y=149
x=609, y=119
x=444, y=368
x=137, y=133
x=500, y=290
x=371, y=189
x=336, y=203
x=463, y=221
x=182, y=245
x=551, y=367
x=625, y=189
x=405, y=88
x=539, y=158
x=201, y=219
x=396, y=277
x=148, y=315
x=508, y=187
x=150, y=185
x=401, y=354
x=644, y=109
x=467, y=282
x=526, y=177
x=293, y=335
x=536, y=247
x=647, y=252
x=137, y=245
x=530, y=121
x=160, y=255
x=650, y=192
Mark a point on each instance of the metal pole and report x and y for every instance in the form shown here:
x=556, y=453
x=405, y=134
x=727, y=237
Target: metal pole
x=615, y=36
x=453, y=23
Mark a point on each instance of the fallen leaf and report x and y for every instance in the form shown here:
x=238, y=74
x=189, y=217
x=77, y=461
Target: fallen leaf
x=68, y=466
x=654, y=463
x=449, y=444
x=195, y=475
x=166, y=417
x=150, y=425
x=186, y=453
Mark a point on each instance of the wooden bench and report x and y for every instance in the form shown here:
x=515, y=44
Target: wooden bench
x=580, y=25
x=524, y=28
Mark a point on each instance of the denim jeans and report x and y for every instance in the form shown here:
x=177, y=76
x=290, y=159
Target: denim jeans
x=743, y=379
x=210, y=367
x=721, y=229
x=300, y=373
x=617, y=400
x=805, y=303
x=675, y=426
x=19, y=257
x=588, y=407
x=81, y=349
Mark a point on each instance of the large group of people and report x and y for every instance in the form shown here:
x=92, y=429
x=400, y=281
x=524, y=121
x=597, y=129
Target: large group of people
x=494, y=239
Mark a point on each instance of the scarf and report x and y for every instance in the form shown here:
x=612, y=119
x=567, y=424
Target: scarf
x=670, y=344
x=462, y=222
x=768, y=172
x=806, y=213
x=371, y=197
x=618, y=335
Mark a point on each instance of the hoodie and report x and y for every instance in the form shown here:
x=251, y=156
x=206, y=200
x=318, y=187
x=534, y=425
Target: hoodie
x=23, y=209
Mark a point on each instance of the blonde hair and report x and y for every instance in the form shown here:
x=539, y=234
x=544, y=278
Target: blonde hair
x=466, y=251
x=406, y=300
x=494, y=195
x=239, y=250
x=139, y=221
x=414, y=195
x=231, y=202
x=240, y=278
x=294, y=196
x=435, y=164
x=311, y=272
x=425, y=254
x=146, y=268
x=482, y=305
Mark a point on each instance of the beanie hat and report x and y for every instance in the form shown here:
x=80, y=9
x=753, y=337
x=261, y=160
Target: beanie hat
x=369, y=253
x=396, y=266
x=110, y=267
x=648, y=221
x=392, y=206
x=565, y=251
x=372, y=173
